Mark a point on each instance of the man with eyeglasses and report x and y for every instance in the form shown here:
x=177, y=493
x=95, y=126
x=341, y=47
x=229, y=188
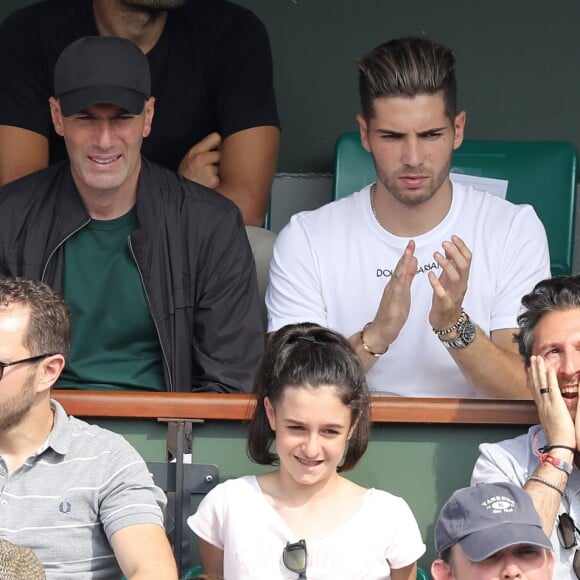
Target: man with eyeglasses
x=80, y=497
x=544, y=461
x=491, y=531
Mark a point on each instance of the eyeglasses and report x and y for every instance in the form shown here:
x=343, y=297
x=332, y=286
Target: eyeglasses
x=23, y=360
x=294, y=557
x=567, y=531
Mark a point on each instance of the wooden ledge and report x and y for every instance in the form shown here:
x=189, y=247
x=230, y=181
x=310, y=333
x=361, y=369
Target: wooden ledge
x=145, y=405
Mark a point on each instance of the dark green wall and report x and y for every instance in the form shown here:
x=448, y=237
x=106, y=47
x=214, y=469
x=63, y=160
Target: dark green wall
x=517, y=64
x=518, y=68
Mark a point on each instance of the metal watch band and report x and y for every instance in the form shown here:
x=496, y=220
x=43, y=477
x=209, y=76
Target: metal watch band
x=465, y=335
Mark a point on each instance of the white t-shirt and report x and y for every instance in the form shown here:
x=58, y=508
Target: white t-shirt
x=514, y=461
x=237, y=518
x=330, y=266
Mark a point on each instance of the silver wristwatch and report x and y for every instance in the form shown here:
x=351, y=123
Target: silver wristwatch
x=465, y=335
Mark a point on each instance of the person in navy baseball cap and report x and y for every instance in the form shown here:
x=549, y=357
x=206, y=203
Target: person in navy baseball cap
x=491, y=531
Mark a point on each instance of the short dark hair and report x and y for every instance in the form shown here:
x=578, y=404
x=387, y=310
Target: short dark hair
x=447, y=557
x=310, y=355
x=49, y=327
x=558, y=293
x=407, y=67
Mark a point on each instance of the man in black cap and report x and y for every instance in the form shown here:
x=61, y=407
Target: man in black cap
x=157, y=270
x=491, y=531
x=211, y=69
x=216, y=120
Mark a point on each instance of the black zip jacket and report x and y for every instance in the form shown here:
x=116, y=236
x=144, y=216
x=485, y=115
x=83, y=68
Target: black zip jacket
x=193, y=256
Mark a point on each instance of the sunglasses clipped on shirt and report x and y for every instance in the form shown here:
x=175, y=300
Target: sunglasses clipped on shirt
x=294, y=557
x=567, y=535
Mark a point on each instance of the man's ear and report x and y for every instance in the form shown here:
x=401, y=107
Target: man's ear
x=149, y=112
x=440, y=570
x=459, y=129
x=48, y=372
x=56, y=116
x=364, y=132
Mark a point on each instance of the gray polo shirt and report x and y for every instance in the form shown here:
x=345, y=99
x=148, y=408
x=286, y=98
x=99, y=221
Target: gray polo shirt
x=82, y=485
x=514, y=460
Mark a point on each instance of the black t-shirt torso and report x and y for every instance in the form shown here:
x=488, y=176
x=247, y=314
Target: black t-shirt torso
x=211, y=70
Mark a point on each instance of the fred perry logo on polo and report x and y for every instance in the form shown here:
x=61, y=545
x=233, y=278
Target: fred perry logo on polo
x=65, y=507
x=499, y=504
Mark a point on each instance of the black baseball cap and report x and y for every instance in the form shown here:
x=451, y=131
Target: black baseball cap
x=102, y=69
x=488, y=517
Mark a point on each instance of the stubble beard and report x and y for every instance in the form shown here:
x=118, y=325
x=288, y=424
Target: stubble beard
x=417, y=197
x=17, y=408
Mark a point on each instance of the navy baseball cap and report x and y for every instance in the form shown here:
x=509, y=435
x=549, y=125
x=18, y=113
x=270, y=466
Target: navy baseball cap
x=102, y=69
x=488, y=517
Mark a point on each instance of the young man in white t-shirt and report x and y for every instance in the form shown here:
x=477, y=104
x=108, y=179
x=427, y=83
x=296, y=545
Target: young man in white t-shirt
x=424, y=275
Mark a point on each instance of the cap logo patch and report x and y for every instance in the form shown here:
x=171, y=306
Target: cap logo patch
x=499, y=504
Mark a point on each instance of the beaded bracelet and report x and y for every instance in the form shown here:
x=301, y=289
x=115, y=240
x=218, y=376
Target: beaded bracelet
x=366, y=346
x=462, y=318
x=548, y=484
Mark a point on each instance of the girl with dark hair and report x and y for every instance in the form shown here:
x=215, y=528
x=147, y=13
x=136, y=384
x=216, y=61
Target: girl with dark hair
x=304, y=519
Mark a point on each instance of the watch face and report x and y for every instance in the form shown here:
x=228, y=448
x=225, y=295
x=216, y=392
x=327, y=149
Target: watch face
x=467, y=332
x=465, y=335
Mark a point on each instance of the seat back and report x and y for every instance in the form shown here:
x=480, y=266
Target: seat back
x=421, y=574
x=180, y=481
x=540, y=173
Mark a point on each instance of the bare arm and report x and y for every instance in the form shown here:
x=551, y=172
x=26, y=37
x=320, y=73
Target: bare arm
x=546, y=500
x=491, y=365
x=247, y=170
x=21, y=152
x=392, y=312
x=143, y=553
x=559, y=430
x=212, y=558
x=241, y=167
x=406, y=573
